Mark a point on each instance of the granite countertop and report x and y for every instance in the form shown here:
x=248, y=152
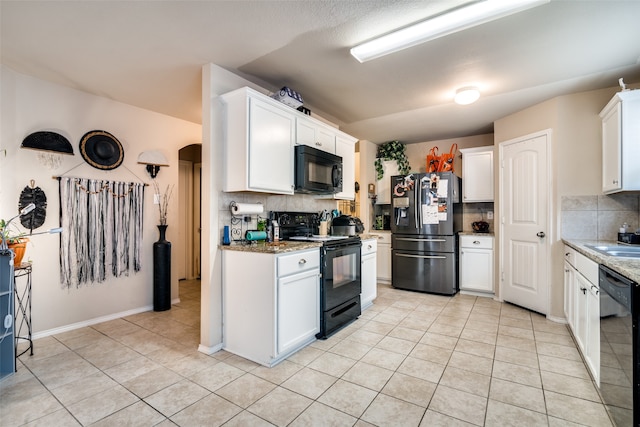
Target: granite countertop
x=473, y=233
x=268, y=248
x=628, y=267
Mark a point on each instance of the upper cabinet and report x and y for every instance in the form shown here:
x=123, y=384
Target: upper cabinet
x=317, y=135
x=258, y=148
x=259, y=136
x=346, y=148
x=621, y=143
x=477, y=174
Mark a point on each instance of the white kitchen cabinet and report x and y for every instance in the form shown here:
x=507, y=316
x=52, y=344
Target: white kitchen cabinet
x=383, y=256
x=315, y=134
x=476, y=264
x=368, y=273
x=346, y=148
x=477, y=174
x=583, y=308
x=271, y=303
x=258, y=143
x=383, y=186
x=570, y=293
x=620, y=147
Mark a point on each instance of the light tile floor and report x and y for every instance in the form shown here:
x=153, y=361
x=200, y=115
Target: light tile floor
x=410, y=360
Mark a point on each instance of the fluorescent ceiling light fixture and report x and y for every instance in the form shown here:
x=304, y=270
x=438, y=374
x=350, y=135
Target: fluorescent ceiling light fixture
x=441, y=25
x=467, y=95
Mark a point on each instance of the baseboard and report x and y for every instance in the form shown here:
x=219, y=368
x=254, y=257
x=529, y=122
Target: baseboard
x=209, y=350
x=562, y=320
x=90, y=322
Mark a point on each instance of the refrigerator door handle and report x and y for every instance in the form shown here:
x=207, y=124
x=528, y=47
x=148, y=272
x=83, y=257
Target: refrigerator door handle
x=409, y=239
x=421, y=256
x=417, y=208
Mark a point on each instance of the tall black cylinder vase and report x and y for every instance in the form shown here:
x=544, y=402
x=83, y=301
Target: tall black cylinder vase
x=162, y=272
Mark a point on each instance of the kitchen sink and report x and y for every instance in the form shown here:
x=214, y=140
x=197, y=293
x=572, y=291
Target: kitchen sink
x=623, y=251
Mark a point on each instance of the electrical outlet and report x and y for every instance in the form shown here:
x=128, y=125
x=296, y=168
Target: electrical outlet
x=490, y=215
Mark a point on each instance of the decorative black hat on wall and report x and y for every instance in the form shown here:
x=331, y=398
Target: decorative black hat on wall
x=47, y=141
x=101, y=150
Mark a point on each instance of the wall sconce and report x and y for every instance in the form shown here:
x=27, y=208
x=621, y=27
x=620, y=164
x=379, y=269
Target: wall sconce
x=153, y=159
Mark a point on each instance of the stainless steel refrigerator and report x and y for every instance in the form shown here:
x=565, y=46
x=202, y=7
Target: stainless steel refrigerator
x=427, y=216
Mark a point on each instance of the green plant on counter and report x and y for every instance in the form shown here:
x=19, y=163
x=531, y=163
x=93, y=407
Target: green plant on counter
x=392, y=150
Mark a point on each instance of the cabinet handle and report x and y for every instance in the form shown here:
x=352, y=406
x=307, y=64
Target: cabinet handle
x=584, y=290
x=319, y=144
x=369, y=247
x=567, y=254
x=476, y=242
x=615, y=181
x=302, y=261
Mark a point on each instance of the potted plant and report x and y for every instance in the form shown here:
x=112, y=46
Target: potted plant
x=14, y=240
x=392, y=150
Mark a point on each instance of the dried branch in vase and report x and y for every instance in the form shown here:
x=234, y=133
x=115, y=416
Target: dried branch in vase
x=163, y=199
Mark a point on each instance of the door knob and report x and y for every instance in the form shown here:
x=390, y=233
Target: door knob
x=540, y=234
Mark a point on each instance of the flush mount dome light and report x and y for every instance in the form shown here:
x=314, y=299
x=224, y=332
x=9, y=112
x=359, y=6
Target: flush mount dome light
x=467, y=95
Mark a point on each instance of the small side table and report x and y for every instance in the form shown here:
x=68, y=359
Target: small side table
x=22, y=316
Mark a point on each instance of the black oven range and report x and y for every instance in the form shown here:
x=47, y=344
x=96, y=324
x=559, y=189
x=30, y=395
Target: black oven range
x=340, y=261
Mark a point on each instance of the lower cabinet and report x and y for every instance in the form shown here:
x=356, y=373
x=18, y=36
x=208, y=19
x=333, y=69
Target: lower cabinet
x=368, y=273
x=582, y=306
x=271, y=303
x=476, y=263
x=383, y=257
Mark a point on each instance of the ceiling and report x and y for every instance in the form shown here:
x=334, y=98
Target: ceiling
x=150, y=54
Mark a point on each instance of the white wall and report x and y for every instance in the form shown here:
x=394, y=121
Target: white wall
x=30, y=105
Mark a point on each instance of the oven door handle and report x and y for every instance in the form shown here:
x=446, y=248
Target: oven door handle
x=340, y=247
x=408, y=239
x=422, y=256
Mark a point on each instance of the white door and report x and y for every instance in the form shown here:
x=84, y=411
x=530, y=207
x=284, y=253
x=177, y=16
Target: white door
x=525, y=218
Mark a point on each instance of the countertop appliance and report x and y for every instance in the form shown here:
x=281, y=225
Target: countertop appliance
x=316, y=171
x=619, y=341
x=340, y=267
x=426, y=217
x=346, y=225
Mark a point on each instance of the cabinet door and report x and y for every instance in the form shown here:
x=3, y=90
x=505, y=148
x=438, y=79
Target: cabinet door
x=368, y=277
x=477, y=176
x=383, y=262
x=345, y=148
x=612, y=150
x=383, y=186
x=593, y=332
x=298, y=309
x=581, y=290
x=313, y=134
x=271, y=135
x=569, y=294
x=476, y=269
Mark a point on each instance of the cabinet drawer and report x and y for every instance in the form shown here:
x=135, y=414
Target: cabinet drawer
x=383, y=238
x=479, y=242
x=570, y=255
x=369, y=246
x=588, y=268
x=298, y=261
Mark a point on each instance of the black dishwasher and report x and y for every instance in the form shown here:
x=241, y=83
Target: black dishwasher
x=619, y=341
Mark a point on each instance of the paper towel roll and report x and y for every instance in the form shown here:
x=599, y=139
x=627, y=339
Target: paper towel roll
x=256, y=235
x=246, y=208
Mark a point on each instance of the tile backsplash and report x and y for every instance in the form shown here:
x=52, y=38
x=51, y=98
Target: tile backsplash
x=598, y=217
x=271, y=202
x=472, y=212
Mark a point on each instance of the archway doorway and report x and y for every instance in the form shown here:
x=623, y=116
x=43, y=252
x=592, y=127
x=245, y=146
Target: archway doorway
x=189, y=197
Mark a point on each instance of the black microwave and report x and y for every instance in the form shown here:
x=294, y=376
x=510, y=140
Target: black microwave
x=316, y=171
